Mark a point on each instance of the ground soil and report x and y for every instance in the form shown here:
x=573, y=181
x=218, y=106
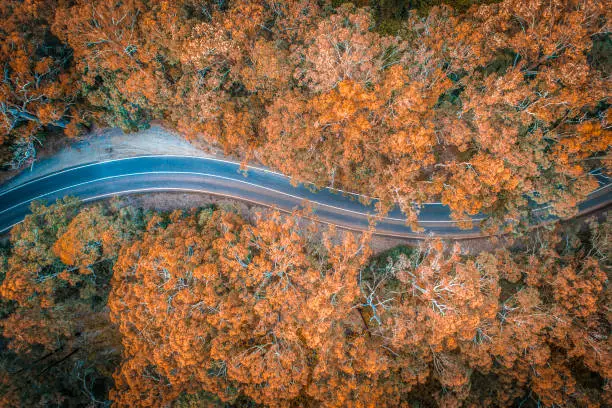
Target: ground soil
x=171, y=201
x=104, y=144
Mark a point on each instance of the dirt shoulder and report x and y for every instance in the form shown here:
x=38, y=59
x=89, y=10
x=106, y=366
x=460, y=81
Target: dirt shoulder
x=184, y=201
x=106, y=144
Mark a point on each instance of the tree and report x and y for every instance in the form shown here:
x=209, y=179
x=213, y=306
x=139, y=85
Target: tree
x=57, y=280
x=377, y=142
x=522, y=320
x=117, y=68
x=256, y=310
x=466, y=110
x=426, y=306
x=342, y=47
x=37, y=91
x=544, y=95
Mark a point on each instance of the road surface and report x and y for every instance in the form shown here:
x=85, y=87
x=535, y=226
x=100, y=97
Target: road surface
x=225, y=178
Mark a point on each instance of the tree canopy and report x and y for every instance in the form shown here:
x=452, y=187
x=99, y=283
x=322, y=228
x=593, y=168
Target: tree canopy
x=108, y=304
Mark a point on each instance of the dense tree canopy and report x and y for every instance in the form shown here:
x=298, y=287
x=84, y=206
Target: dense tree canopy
x=150, y=309
x=38, y=88
x=55, y=283
x=256, y=309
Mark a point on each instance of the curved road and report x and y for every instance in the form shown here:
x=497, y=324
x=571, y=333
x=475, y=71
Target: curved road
x=224, y=178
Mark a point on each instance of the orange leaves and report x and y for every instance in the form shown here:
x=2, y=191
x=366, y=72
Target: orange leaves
x=342, y=104
x=244, y=20
x=57, y=309
x=462, y=193
x=592, y=134
x=91, y=236
x=106, y=28
x=341, y=48
x=153, y=281
x=415, y=143
x=281, y=313
x=207, y=42
x=38, y=83
x=458, y=314
x=493, y=173
x=43, y=66
x=553, y=383
x=248, y=297
x=426, y=304
x=352, y=136
x=33, y=268
x=270, y=71
x=48, y=114
x=21, y=64
x=511, y=113
x=578, y=291
x=511, y=88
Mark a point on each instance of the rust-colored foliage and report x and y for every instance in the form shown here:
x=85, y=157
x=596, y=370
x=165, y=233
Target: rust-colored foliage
x=38, y=88
x=278, y=312
x=490, y=111
x=527, y=321
x=433, y=116
x=256, y=310
x=56, y=270
x=55, y=280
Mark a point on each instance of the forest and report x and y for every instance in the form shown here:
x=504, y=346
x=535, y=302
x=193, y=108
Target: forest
x=203, y=308
x=489, y=107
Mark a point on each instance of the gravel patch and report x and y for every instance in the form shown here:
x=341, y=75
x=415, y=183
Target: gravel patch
x=109, y=144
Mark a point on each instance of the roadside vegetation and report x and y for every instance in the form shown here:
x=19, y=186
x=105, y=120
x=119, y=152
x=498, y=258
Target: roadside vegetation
x=108, y=303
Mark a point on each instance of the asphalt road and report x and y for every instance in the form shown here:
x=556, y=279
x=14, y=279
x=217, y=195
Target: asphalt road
x=224, y=178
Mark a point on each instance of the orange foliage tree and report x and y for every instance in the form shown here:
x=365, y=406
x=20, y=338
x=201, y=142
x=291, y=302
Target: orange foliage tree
x=56, y=279
x=259, y=310
x=278, y=313
x=531, y=323
x=37, y=90
x=273, y=313
x=490, y=112
x=493, y=111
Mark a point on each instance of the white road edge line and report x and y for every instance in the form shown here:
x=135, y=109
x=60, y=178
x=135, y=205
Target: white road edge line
x=10, y=227
x=375, y=232
x=188, y=157
x=408, y=235
x=212, y=159
x=223, y=178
